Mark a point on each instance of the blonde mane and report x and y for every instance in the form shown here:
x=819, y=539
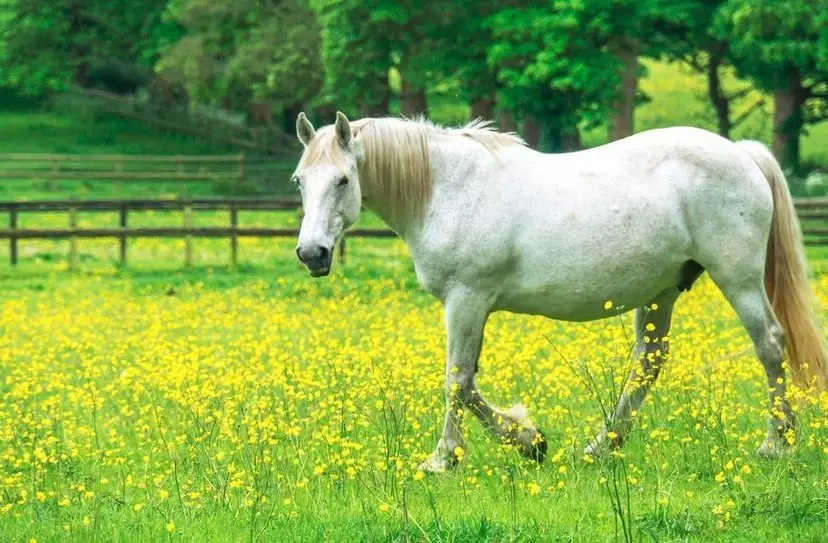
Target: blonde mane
x=396, y=166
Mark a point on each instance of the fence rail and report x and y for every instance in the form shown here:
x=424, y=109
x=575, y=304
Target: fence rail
x=119, y=168
x=187, y=231
x=813, y=214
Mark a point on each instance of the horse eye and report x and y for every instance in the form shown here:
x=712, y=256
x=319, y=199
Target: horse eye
x=342, y=182
x=294, y=180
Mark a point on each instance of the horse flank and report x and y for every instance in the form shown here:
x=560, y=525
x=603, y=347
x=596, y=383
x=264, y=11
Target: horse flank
x=395, y=166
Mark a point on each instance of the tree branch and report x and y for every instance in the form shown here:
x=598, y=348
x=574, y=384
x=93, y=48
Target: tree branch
x=741, y=93
x=694, y=62
x=745, y=114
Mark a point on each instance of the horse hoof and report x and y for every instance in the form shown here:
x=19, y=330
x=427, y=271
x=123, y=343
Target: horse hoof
x=600, y=447
x=774, y=448
x=437, y=464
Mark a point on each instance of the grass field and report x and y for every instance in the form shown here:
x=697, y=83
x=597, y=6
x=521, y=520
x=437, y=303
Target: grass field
x=155, y=403
x=262, y=405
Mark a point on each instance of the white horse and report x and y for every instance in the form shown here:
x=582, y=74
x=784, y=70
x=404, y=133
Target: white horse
x=493, y=225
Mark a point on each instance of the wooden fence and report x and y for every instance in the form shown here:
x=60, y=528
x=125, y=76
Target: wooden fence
x=187, y=231
x=813, y=214
x=185, y=168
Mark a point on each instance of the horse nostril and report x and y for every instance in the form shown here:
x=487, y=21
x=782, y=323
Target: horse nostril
x=324, y=253
x=299, y=254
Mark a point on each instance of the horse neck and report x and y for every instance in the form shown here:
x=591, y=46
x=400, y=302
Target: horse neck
x=453, y=162
x=403, y=222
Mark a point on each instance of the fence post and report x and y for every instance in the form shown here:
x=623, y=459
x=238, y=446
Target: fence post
x=234, y=238
x=188, y=239
x=73, y=240
x=119, y=170
x=123, y=237
x=13, y=240
x=55, y=171
x=240, y=178
x=342, y=249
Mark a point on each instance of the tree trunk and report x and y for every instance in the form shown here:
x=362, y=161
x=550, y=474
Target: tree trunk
x=375, y=101
x=531, y=132
x=260, y=113
x=483, y=107
x=717, y=96
x=82, y=74
x=550, y=137
x=289, y=115
x=788, y=121
x=413, y=102
x=571, y=139
x=622, y=119
x=506, y=121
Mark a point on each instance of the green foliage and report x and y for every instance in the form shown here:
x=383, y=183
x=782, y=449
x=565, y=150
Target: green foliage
x=46, y=46
x=763, y=39
x=245, y=50
x=552, y=65
x=356, y=55
x=785, y=54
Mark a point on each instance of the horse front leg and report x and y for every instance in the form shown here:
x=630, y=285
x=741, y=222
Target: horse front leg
x=466, y=314
x=465, y=319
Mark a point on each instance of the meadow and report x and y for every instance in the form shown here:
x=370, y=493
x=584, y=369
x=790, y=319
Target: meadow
x=159, y=403
x=262, y=405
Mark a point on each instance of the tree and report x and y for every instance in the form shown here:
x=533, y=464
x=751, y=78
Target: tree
x=364, y=39
x=694, y=41
x=460, y=48
x=248, y=52
x=554, y=68
x=48, y=46
x=356, y=55
x=782, y=47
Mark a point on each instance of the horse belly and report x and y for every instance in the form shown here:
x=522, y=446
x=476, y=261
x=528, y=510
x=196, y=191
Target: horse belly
x=578, y=305
x=575, y=283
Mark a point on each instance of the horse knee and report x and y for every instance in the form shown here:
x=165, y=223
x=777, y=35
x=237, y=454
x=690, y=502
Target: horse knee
x=460, y=388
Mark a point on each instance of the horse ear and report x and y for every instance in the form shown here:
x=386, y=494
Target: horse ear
x=304, y=129
x=343, y=129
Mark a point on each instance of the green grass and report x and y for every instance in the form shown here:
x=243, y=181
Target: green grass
x=154, y=341
x=65, y=132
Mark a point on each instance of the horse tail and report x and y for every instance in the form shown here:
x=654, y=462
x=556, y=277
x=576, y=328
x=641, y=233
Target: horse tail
x=786, y=278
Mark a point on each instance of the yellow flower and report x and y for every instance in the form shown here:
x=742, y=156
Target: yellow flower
x=534, y=488
x=171, y=527
x=384, y=507
x=137, y=507
x=608, y=305
x=419, y=475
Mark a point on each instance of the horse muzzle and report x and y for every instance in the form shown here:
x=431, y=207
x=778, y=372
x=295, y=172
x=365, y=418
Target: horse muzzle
x=316, y=258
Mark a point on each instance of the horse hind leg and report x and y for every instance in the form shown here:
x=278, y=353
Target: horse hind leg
x=652, y=326
x=750, y=301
